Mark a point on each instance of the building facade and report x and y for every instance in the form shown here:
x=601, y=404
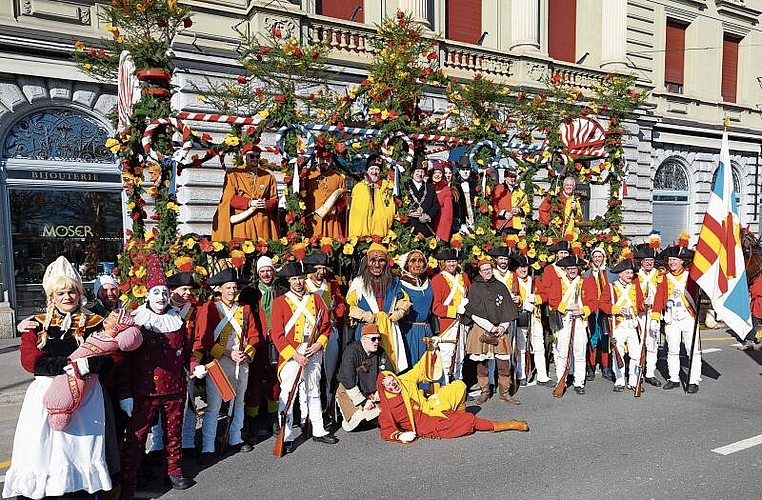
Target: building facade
x=61, y=191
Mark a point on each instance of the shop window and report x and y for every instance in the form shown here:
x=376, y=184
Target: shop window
x=562, y=30
x=671, y=194
x=58, y=134
x=674, y=57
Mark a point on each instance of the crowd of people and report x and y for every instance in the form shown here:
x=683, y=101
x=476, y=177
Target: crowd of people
x=396, y=349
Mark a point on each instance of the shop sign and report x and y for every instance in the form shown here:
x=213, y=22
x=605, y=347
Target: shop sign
x=64, y=231
x=36, y=175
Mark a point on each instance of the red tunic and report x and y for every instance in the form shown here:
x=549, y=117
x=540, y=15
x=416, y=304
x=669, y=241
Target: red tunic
x=444, y=219
x=664, y=289
x=287, y=342
x=206, y=347
x=441, y=289
x=755, y=292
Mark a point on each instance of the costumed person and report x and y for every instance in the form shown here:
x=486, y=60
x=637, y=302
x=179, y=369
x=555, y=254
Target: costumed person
x=376, y=296
x=106, y=291
x=420, y=198
x=181, y=286
x=571, y=301
x=443, y=221
x=300, y=330
x=406, y=413
x=468, y=184
x=649, y=278
x=228, y=332
x=82, y=458
x=491, y=314
x=675, y=303
x=357, y=396
x=325, y=198
x=67, y=391
x=549, y=279
x=321, y=283
x=568, y=211
x=600, y=322
x=372, y=209
x=623, y=301
x=502, y=272
x=263, y=373
x=459, y=213
x=153, y=379
x=529, y=325
x=450, y=287
x=511, y=205
x=752, y=340
x=248, y=208
x=415, y=325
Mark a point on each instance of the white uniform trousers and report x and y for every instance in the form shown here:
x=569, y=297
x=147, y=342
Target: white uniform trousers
x=652, y=346
x=447, y=350
x=538, y=350
x=214, y=402
x=578, y=350
x=625, y=333
x=309, y=394
x=677, y=331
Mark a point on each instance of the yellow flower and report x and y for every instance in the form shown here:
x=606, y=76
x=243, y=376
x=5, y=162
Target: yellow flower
x=236, y=254
x=79, y=46
x=477, y=122
x=284, y=241
x=131, y=205
x=119, y=40
x=173, y=206
x=384, y=114
x=348, y=249
x=432, y=243
x=149, y=235
x=275, y=260
x=302, y=205
x=615, y=238
x=479, y=230
x=140, y=272
x=201, y=98
x=123, y=298
x=543, y=257
x=189, y=243
x=183, y=260
x=433, y=262
x=201, y=271
x=536, y=266
x=139, y=290
x=248, y=246
x=231, y=140
x=113, y=144
x=112, y=29
x=532, y=253
x=151, y=191
x=476, y=250
x=217, y=246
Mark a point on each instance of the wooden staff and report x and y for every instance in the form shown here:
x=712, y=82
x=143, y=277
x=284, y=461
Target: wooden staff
x=561, y=385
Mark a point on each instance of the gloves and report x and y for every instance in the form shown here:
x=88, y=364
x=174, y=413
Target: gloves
x=529, y=305
x=199, y=372
x=397, y=315
x=654, y=326
x=407, y=437
x=83, y=365
x=126, y=405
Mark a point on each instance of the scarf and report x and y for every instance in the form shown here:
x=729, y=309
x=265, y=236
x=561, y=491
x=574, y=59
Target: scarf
x=266, y=302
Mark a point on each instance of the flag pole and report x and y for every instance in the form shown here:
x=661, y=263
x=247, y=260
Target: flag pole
x=694, y=340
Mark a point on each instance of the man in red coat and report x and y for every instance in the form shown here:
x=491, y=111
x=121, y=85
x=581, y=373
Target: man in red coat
x=406, y=413
x=450, y=287
x=511, y=205
x=300, y=330
x=153, y=379
x=228, y=332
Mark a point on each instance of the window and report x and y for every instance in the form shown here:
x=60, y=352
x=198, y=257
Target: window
x=729, y=67
x=736, y=184
x=349, y=10
x=463, y=19
x=562, y=30
x=671, y=199
x=674, y=57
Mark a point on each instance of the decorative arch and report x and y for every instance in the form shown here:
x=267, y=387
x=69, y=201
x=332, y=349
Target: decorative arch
x=671, y=198
x=57, y=134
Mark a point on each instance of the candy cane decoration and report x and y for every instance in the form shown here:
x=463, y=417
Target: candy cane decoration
x=186, y=135
x=128, y=91
x=231, y=119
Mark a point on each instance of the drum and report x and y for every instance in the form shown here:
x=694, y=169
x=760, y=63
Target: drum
x=220, y=380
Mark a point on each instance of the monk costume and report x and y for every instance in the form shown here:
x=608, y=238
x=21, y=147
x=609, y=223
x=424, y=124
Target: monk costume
x=326, y=200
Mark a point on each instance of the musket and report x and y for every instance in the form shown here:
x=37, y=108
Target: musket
x=231, y=403
x=639, y=385
x=515, y=342
x=561, y=385
x=528, y=343
x=278, y=448
x=509, y=218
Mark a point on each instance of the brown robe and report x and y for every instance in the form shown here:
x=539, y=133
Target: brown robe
x=240, y=187
x=319, y=188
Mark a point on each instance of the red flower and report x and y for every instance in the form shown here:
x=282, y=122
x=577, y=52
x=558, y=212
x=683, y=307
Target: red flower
x=300, y=253
x=403, y=219
x=280, y=98
x=206, y=246
x=298, y=52
x=488, y=246
x=262, y=247
x=341, y=148
x=187, y=22
x=398, y=202
x=315, y=54
x=376, y=238
x=510, y=243
x=241, y=79
x=290, y=217
x=237, y=262
x=431, y=56
x=291, y=235
x=277, y=33
x=569, y=237
x=327, y=249
x=484, y=209
x=287, y=179
x=116, y=271
x=287, y=256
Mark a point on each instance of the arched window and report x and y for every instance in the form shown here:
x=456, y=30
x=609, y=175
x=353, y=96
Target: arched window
x=736, y=184
x=60, y=134
x=671, y=193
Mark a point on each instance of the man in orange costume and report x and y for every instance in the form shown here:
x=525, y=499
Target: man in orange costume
x=325, y=198
x=511, y=205
x=406, y=413
x=249, y=204
x=570, y=210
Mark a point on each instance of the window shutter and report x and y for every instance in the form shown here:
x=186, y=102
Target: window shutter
x=729, y=68
x=341, y=9
x=463, y=19
x=562, y=30
x=674, y=56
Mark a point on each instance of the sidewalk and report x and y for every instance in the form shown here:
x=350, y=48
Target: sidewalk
x=13, y=384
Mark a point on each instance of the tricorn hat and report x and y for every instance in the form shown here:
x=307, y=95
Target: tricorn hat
x=571, y=261
x=677, y=251
x=624, y=265
x=228, y=275
x=559, y=246
x=500, y=252
x=519, y=260
x=318, y=259
x=294, y=269
x=181, y=279
x=449, y=254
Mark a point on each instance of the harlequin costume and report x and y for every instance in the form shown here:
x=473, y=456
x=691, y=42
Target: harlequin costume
x=220, y=330
x=59, y=462
x=242, y=185
x=154, y=377
x=439, y=416
x=624, y=302
x=298, y=321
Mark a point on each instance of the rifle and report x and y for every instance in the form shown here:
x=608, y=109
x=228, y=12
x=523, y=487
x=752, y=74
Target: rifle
x=279, y=442
x=511, y=216
x=639, y=385
x=515, y=342
x=528, y=343
x=561, y=385
x=231, y=403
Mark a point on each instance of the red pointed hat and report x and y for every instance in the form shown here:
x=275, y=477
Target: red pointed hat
x=155, y=275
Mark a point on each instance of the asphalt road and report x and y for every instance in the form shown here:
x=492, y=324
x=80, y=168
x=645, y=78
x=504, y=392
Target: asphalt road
x=601, y=444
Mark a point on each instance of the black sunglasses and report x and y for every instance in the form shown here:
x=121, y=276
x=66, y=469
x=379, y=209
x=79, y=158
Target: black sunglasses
x=374, y=339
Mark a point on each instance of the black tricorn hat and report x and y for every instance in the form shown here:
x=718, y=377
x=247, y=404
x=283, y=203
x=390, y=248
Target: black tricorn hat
x=373, y=159
x=645, y=251
x=449, y=254
x=559, y=246
x=676, y=251
x=500, y=252
x=318, y=259
x=571, y=261
x=520, y=260
x=294, y=269
x=228, y=275
x=624, y=265
x=181, y=279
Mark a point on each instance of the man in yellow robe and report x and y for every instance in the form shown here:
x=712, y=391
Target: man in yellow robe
x=248, y=208
x=326, y=198
x=372, y=208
